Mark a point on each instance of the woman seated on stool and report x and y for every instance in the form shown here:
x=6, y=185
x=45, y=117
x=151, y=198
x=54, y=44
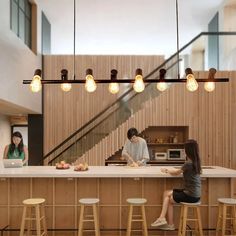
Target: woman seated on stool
x=192, y=186
x=17, y=149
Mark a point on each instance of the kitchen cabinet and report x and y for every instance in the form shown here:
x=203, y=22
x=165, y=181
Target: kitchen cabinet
x=161, y=138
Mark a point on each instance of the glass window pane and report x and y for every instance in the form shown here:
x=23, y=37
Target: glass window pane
x=22, y=4
x=22, y=25
x=27, y=33
x=14, y=17
x=28, y=9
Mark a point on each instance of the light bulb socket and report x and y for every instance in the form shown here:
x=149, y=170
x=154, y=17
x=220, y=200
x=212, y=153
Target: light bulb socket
x=64, y=74
x=138, y=72
x=188, y=71
x=114, y=75
x=38, y=72
x=162, y=73
x=211, y=75
x=89, y=72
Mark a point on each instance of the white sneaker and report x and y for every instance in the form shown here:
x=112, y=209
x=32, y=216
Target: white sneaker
x=167, y=227
x=159, y=222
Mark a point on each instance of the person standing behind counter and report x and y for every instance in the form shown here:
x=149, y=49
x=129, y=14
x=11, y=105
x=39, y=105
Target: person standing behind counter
x=17, y=149
x=135, y=149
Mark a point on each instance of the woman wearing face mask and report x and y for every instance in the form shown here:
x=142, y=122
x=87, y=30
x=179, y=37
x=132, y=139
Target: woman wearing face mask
x=17, y=149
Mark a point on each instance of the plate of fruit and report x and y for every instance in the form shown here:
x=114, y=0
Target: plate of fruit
x=62, y=165
x=81, y=167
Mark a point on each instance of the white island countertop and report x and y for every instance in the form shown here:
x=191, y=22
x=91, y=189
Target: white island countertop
x=107, y=172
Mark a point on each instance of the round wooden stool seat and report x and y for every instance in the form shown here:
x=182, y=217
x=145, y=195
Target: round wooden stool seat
x=230, y=201
x=191, y=204
x=89, y=201
x=136, y=201
x=33, y=201
x=226, y=213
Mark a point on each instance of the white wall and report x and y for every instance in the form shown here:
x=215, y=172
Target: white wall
x=227, y=19
x=17, y=62
x=5, y=133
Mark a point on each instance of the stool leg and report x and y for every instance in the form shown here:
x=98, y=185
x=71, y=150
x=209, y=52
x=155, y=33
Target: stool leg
x=224, y=219
x=197, y=230
x=81, y=218
x=219, y=220
x=234, y=219
x=44, y=220
x=181, y=222
x=95, y=215
x=144, y=221
x=31, y=214
x=199, y=221
x=185, y=213
x=22, y=227
x=38, y=228
x=129, y=220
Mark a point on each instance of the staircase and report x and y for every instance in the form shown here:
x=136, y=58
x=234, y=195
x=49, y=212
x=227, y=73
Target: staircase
x=116, y=139
x=106, y=133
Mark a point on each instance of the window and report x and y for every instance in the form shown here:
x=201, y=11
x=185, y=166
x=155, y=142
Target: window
x=21, y=20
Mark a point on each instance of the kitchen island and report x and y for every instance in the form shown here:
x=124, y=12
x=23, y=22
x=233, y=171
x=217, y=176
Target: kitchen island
x=112, y=185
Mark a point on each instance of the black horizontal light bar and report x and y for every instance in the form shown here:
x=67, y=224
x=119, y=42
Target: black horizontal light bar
x=123, y=81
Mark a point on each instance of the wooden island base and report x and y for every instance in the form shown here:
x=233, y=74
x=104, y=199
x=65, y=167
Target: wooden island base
x=62, y=190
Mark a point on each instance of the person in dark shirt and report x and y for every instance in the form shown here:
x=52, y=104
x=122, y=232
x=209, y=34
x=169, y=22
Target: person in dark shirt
x=191, y=191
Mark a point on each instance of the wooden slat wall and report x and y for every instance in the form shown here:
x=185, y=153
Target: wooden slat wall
x=211, y=118
x=64, y=113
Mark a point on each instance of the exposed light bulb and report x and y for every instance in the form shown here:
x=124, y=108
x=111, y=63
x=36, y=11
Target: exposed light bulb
x=192, y=84
x=138, y=84
x=36, y=84
x=90, y=84
x=162, y=86
x=114, y=88
x=66, y=87
x=209, y=86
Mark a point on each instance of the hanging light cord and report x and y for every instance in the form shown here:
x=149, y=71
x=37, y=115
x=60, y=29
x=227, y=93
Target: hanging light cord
x=177, y=35
x=74, y=37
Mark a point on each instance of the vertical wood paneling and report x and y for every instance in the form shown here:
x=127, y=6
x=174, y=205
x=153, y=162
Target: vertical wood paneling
x=211, y=118
x=67, y=112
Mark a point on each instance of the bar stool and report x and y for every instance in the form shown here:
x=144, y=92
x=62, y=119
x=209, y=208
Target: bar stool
x=184, y=218
x=225, y=204
x=88, y=202
x=136, y=202
x=33, y=205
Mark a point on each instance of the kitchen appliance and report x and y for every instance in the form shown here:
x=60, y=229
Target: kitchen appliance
x=160, y=156
x=176, y=154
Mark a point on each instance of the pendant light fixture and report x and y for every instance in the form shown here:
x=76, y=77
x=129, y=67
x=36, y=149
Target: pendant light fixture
x=162, y=85
x=35, y=84
x=66, y=87
x=209, y=86
x=90, y=84
x=138, y=81
x=114, y=86
x=191, y=84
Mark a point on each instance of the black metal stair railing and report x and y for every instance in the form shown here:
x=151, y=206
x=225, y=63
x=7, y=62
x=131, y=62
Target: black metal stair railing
x=114, y=115
x=98, y=129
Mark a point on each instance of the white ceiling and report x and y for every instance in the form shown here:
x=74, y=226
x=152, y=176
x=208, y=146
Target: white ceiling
x=126, y=27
